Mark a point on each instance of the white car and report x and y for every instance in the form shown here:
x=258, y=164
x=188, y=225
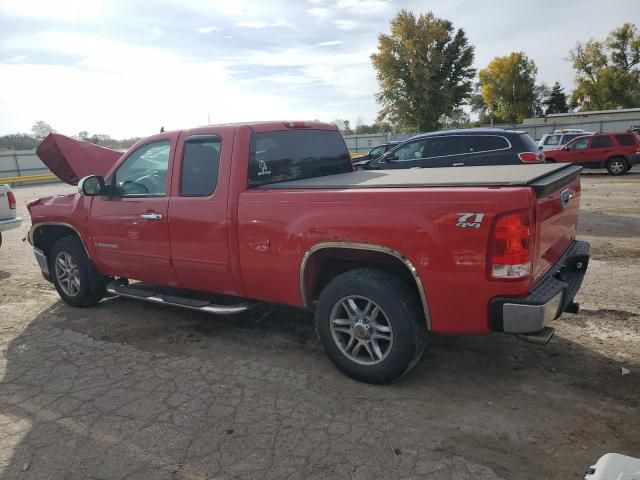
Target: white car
x=561, y=137
x=8, y=216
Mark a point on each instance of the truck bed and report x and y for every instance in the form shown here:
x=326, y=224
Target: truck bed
x=542, y=177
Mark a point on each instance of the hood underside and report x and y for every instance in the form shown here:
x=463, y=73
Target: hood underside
x=70, y=159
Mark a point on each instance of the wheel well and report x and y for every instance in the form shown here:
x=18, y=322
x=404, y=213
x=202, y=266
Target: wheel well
x=325, y=264
x=620, y=157
x=45, y=236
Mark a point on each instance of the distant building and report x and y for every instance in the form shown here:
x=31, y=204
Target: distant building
x=618, y=120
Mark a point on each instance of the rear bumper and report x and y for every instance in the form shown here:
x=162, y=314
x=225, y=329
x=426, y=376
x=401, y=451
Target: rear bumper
x=550, y=297
x=10, y=223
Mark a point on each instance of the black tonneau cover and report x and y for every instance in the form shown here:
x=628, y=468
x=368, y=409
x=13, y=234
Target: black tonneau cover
x=543, y=178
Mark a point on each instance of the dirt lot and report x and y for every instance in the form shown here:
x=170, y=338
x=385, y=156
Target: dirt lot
x=131, y=391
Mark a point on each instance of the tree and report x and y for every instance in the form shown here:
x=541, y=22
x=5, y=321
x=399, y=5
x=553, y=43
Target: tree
x=508, y=86
x=556, y=100
x=343, y=126
x=424, y=69
x=540, y=94
x=41, y=129
x=18, y=141
x=608, y=73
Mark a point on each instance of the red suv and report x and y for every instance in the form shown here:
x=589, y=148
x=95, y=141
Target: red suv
x=617, y=152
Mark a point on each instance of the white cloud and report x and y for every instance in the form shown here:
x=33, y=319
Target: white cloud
x=67, y=11
x=319, y=12
x=363, y=6
x=154, y=32
x=206, y=30
x=346, y=24
x=252, y=24
x=330, y=43
x=259, y=24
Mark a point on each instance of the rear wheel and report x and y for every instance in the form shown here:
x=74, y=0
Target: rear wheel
x=74, y=276
x=371, y=325
x=617, y=166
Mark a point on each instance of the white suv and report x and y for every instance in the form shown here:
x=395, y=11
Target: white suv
x=559, y=138
x=8, y=217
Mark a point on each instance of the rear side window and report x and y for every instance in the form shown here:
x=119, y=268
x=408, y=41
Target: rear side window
x=625, y=140
x=601, y=142
x=486, y=143
x=287, y=155
x=528, y=144
x=444, y=146
x=200, y=166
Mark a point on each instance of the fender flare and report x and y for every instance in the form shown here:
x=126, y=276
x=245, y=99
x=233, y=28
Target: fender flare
x=370, y=247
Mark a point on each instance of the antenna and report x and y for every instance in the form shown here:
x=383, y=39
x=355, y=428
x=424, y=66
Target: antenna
x=161, y=129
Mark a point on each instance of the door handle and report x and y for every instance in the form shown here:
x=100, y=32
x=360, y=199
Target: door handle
x=458, y=164
x=151, y=216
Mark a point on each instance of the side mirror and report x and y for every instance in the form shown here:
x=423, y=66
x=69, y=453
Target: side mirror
x=540, y=147
x=91, y=186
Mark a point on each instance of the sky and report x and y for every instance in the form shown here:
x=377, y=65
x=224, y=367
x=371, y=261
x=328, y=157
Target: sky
x=126, y=67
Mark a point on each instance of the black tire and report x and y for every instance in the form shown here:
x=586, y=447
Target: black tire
x=617, y=166
x=92, y=286
x=401, y=310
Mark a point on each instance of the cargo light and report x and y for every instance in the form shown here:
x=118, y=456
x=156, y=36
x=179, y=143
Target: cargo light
x=511, y=245
x=297, y=124
x=12, y=200
x=530, y=157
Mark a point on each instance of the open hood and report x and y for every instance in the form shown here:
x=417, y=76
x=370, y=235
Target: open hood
x=70, y=159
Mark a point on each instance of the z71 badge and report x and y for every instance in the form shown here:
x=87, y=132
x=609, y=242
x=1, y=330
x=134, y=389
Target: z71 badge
x=470, y=220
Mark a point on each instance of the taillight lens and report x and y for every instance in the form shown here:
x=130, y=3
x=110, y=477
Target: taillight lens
x=12, y=200
x=530, y=157
x=511, y=245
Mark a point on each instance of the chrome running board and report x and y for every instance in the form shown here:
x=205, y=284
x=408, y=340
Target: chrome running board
x=148, y=294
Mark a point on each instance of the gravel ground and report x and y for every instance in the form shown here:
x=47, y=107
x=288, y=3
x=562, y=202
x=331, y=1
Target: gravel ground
x=134, y=391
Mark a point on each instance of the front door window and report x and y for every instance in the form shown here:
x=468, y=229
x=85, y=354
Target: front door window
x=144, y=172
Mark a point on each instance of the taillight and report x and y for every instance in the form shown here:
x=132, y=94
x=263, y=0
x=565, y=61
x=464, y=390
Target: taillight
x=511, y=245
x=530, y=157
x=12, y=200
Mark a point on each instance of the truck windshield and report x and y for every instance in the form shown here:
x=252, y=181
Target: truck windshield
x=296, y=154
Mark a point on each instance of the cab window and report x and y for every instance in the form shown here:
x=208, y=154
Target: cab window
x=200, y=164
x=144, y=172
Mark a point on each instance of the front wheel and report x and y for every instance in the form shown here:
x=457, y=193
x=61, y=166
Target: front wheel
x=74, y=276
x=370, y=325
x=617, y=166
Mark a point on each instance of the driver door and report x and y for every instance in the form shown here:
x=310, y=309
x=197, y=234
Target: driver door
x=130, y=229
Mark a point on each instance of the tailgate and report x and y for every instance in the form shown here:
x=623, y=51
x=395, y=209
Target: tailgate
x=557, y=206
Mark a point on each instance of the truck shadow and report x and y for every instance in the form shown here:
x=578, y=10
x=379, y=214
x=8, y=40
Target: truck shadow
x=135, y=389
x=608, y=225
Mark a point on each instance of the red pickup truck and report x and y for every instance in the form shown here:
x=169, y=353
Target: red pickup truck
x=219, y=217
